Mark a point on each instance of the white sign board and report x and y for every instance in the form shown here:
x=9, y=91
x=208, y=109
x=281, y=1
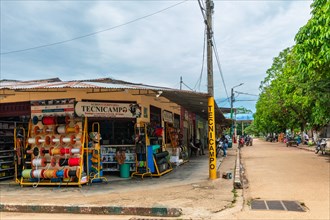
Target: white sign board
x=106, y=109
x=52, y=107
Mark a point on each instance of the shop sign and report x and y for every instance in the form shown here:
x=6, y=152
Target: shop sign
x=52, y=107
x=168, y=116
x=186, y=115
x=106, y=109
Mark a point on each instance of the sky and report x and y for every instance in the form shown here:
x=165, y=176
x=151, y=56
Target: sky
x=154, y=42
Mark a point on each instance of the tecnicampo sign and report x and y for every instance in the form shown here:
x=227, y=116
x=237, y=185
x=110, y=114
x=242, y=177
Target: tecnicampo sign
x=105, y=109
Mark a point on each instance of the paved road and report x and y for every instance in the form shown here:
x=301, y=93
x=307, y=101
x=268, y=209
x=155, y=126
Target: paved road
x=277, y=172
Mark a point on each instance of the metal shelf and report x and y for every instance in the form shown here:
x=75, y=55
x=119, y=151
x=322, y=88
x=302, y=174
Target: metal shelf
x=6, y=156
x=7, y=169
x=5, y=151
x=6, y=177
x=127, y=145
x=9, y=161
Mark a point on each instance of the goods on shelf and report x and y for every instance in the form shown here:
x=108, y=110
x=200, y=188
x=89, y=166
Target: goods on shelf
x=54, y=152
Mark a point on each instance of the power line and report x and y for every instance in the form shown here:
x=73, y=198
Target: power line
x=219, y=66
x=203, y=61
x=94, y=33
x=244, y=93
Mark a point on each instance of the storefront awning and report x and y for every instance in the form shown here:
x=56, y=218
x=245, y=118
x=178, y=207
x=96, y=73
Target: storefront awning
x=195, y=102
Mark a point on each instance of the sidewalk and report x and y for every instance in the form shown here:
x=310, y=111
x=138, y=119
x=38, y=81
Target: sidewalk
x=186, y=192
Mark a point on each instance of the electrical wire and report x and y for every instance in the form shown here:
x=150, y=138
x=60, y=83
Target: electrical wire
x=94, y=33
x=219, y=66
x=203, y=61
x=244, y=93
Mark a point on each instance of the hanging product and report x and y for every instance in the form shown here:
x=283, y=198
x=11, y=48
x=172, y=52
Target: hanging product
x=37, y=140
x=65, y=129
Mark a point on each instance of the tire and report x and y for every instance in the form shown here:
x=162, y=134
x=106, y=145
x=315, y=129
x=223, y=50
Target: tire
x=316, y=151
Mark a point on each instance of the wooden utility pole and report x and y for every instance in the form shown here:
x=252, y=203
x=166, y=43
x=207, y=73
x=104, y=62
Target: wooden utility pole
x=210, y=89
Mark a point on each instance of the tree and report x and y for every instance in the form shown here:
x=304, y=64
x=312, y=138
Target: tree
x=296, y=90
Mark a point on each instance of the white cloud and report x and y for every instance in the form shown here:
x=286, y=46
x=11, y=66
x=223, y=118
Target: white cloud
x=154, y=50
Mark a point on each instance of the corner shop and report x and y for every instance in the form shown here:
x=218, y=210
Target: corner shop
x=116, y=107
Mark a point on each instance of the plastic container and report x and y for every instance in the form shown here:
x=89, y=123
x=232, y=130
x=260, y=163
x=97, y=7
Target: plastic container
x=124, y=170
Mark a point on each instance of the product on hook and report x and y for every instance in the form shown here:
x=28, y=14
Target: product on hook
x=49, y=174
x=71, y=173
x=72, y=139
x=41, y=162
x=34, y=151
x=37, y=140
x=52, y=120
x=65, y=129
x=69, y=162
x=54, y=140
x=45, y=130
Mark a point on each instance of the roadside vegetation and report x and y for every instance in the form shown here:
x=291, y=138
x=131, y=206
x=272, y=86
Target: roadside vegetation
x=295, y=93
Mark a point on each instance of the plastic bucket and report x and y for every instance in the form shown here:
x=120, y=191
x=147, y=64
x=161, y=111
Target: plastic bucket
x=124, y=170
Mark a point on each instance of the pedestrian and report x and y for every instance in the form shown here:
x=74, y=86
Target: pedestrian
x=225, y=145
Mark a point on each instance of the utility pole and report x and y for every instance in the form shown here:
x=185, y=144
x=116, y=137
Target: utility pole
x=211, y=119
x=231, y=113
x=181, y=82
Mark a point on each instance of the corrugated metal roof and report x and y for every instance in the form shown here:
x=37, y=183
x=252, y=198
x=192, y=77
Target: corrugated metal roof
x=193, y=101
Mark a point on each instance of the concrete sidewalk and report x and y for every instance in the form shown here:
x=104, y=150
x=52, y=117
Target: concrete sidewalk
x=186, y=192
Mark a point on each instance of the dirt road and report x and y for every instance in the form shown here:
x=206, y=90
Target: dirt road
x=277, y=172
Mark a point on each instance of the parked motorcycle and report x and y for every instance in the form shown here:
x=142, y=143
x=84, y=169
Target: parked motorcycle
x=248, y=141
x=219, y=147
x=241, y=142
x=321, y=146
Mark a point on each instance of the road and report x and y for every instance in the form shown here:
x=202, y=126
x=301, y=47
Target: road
x=273, y=171
x=277, y=172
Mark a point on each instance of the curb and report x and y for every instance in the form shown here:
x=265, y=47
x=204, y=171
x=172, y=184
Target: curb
x=99, y=210
x=237, y=179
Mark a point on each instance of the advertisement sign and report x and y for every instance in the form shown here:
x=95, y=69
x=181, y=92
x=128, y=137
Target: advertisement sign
x=168, y=116
x=52, y=107
x=107, y=109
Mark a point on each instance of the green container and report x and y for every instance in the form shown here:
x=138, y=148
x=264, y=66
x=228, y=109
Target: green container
x=230, y=144
x=124, y=170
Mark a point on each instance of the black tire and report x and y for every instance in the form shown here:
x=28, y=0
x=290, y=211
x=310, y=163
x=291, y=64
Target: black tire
x=316, y=151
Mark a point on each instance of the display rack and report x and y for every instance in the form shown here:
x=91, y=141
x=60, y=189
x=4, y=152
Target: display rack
x=149, y=162
x=54, y=151
x=19, y=140
x=97, y=170
x=7, y=151
x=108, y=156
x=172, y=133
x=142, y=140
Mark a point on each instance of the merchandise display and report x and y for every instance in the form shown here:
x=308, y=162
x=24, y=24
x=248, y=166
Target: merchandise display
x=54, y=152
x=7, y=152
x=149, y=161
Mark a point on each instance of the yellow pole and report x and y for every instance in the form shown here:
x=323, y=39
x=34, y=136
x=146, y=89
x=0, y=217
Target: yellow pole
x=211, y=137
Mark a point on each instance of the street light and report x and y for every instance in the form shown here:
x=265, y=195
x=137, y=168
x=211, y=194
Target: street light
x=231, y=109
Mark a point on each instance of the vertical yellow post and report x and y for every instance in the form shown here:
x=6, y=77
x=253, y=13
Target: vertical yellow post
x=211, y=138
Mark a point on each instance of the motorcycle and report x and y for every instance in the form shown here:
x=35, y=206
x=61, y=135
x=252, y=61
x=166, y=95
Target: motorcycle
x=248, y=141
x=321, y=146
x=219, y=147
x=241, y=142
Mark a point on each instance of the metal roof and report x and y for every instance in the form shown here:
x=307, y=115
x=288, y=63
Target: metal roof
x=195, y=102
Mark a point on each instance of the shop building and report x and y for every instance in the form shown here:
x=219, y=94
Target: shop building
x=54, y=131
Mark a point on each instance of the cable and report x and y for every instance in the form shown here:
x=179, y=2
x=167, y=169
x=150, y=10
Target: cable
x=244, y=93
x=219, y=66
x=93, y=33
x=199, y=81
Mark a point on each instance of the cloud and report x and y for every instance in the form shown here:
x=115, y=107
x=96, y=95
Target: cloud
x=155, y=50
